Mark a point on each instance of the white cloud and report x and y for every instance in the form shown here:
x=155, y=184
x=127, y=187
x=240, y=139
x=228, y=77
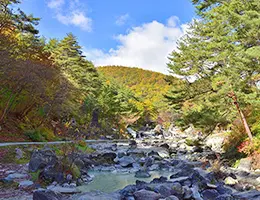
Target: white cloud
x=54, y=4
x=146, y=46
x=173, y=21
x=121, y=20
x=74, y=14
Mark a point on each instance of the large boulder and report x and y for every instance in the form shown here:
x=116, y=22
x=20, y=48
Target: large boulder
x=42, y=158
x=146, y=194
x=245, y=164
x=126, y=161
x=215, y=142
x=96, y=195
x=210, y=194
x=142, y=174
x=252, y=195
x=46, y=195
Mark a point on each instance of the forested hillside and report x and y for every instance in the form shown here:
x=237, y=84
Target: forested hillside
x=48, y=90
x=149, y=87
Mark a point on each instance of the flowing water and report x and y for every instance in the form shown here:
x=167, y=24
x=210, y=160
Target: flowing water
x=110, y=182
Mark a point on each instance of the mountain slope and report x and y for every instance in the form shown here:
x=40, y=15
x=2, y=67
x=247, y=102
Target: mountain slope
x=148, y=86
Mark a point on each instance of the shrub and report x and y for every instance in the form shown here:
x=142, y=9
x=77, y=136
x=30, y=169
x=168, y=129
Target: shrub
x=40, y=135
x=35, y=135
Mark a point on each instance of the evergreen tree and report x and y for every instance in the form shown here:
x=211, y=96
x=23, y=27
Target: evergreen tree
x=221, y=53
x=67, y=55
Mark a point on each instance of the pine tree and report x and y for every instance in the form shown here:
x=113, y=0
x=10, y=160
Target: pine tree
x=221, y=53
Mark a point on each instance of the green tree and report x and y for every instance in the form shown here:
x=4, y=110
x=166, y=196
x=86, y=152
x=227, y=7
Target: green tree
x=15, y=19
x=221, y=54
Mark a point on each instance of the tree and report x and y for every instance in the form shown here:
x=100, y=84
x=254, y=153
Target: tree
x=221, y=55
x=15, y=19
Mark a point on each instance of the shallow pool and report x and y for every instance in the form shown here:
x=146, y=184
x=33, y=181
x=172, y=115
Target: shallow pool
x=110, y=182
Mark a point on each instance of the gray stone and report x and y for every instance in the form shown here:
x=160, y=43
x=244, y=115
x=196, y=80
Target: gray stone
x=172, y=197
x=195, y=192
x=25, y=184
x=164, y=190
x=16, y=176
x=210, y=194
x=42, y=158
x=225, y=197
x=252, y=195
x=230, y=181
x=126, y=161
x=145, y=194
x=245, y=164
x=46, y=195
x=187, y=192
x=19, y=153
x=96, y=195
x=142, y=174
x=63, y=190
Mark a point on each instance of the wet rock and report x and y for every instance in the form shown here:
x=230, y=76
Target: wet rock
x=114, y=147
x=126, y=161
x=187, y=192
x=25, y=184
x=172, y=197
x=223, y=190
x=252, y=195
x=225, y=197
x=128, y=191
x=145, y=194
x=16, y=176
x=165, y=145
x=164, y=189
x=42, y=158
x=163, y=153
x=148, y=162
x=177, y=189
x=180, y=179
x=210, y=194
x=162, y=179
x=96, y=195
x=142, y=174
x=52, y=174
x=46, y=195
x=132, y=132
x=195, y=192
x=63, y=190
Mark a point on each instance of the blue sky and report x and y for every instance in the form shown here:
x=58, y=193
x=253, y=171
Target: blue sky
x=137, y=33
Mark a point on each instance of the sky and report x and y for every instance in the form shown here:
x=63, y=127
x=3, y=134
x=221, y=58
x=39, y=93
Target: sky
x=134, y=33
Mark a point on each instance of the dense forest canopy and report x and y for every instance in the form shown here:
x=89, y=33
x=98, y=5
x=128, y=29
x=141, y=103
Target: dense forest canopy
x=49, y=90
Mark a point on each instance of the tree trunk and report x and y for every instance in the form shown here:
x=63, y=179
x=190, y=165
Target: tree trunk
x=6, y=107
x=94, y=120
x=242, y=116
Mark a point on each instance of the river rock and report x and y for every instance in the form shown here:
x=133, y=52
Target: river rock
x=252, y=195
x=146, y=194
x=42, y=158
x=63, y=190
x=225, y=197
x=19, y=153
x=126, y=161
x=46, y=195
x=245, y=164
x=16, y=176
x=96, y=195
x=25, y=184
x=210, y=194
x=230, y=181
x=142, y=174
x=172, y=197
